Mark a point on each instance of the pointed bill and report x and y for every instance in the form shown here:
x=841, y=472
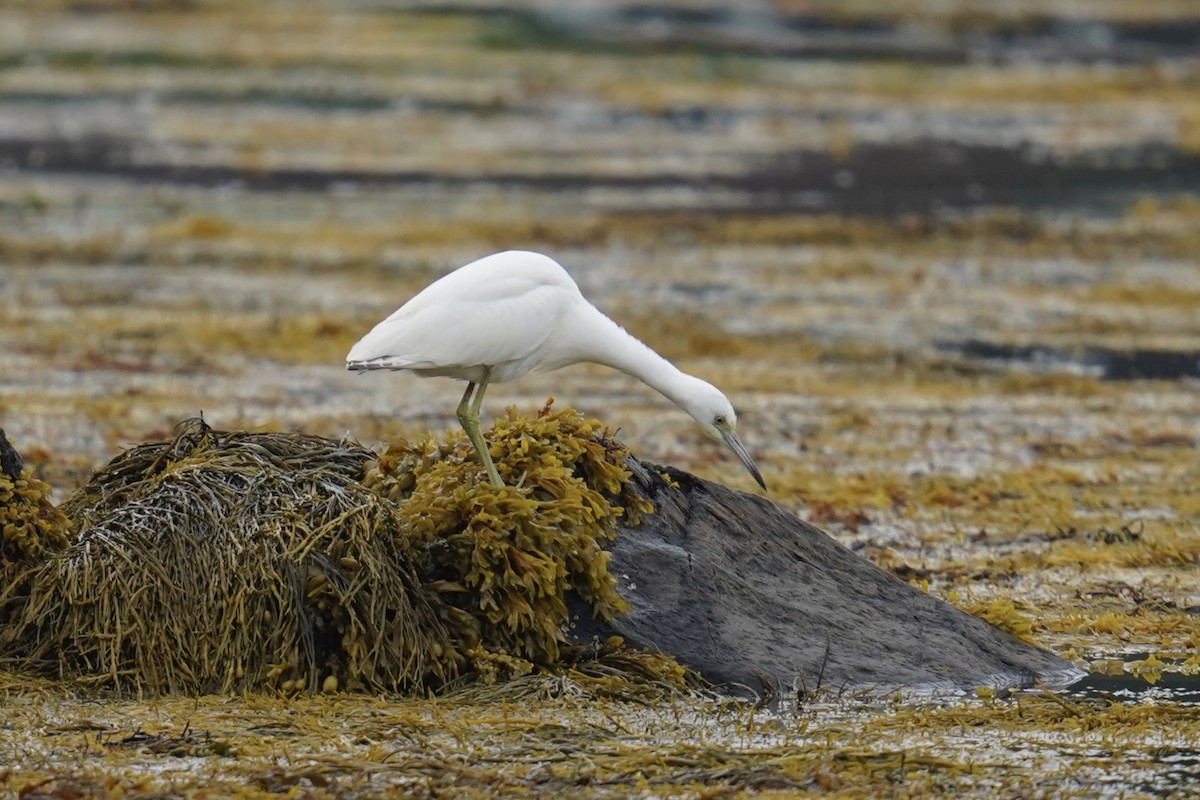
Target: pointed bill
x=735, y=444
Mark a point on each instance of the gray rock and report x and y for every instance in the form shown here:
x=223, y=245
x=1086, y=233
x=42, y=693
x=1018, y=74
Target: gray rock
x=11, y=462
x=747, y=594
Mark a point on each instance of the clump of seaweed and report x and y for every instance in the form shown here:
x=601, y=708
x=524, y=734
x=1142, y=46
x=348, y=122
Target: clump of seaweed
x=219, y=561
x=1003, y=614
x=30, y=525
x=223, y=561
x=508, y=557
x=31, y=528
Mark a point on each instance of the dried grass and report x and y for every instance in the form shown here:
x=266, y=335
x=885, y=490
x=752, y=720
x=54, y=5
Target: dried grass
x=218, y=561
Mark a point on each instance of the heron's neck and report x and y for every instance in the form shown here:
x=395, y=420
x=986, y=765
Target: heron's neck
x=614, y=347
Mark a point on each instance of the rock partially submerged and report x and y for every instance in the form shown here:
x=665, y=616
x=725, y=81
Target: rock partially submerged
x=746, y=593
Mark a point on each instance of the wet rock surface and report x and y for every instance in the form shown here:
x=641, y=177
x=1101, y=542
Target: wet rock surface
x=747, y=594
x=11, y=462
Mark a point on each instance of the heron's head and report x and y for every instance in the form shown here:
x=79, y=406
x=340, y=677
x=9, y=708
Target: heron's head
x=712, y=409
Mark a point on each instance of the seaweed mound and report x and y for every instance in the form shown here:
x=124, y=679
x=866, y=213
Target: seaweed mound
x=507, y=557
x=223, y=561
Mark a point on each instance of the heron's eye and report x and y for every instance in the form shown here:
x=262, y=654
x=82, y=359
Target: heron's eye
x=720, y=420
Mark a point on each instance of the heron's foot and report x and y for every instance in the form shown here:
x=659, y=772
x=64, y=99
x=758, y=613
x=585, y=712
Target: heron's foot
x=476, y=437
x=493, y=474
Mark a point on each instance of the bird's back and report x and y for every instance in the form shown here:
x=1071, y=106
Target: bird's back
x=496, y=312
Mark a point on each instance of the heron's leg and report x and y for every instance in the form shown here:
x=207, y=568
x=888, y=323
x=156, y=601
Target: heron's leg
x=477, y=403
x=468, y=415
x=464, y=406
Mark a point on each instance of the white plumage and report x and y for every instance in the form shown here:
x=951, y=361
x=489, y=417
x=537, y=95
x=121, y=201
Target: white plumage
x=516, y=312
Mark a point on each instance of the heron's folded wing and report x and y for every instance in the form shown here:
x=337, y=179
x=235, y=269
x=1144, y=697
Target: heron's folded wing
x=472, y=328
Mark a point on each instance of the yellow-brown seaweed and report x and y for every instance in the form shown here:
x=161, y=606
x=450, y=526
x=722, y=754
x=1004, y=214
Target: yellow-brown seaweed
x=222, y=561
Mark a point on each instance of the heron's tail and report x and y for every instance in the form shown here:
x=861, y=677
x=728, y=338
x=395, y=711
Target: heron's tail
x=374, y=363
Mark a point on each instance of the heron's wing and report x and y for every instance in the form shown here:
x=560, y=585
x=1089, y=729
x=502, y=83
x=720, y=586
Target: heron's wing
x=501, y=321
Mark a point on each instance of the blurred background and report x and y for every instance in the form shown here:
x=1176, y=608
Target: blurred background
x=946, y=239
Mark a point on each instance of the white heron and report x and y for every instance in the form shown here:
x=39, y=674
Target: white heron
x=516, y=312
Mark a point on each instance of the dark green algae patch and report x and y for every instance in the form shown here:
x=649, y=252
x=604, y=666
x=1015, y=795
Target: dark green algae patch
x=233, y=561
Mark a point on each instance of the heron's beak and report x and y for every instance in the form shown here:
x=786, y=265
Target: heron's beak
x=736, y=445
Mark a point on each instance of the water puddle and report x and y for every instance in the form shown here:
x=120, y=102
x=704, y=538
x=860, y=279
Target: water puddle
x=1101, y=362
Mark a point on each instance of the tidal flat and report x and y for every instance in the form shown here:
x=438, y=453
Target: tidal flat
x=943, y=262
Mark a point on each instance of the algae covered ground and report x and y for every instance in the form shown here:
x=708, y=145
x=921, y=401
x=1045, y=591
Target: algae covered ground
x=944, y=261
x=563, y=737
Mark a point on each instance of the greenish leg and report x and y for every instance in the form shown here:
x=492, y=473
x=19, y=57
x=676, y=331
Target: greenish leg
x=468, y=415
